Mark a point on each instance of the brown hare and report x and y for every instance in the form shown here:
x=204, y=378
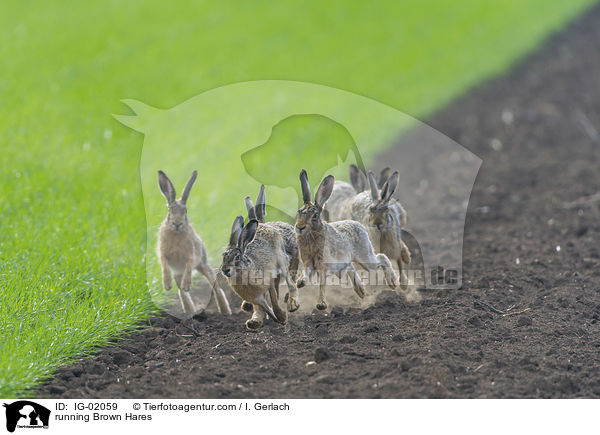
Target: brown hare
x=254, y=258
x=181, y=250
x=382, y=216
x=259, y=212
x=333, y=247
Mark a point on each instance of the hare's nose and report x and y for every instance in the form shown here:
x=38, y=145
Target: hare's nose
x=227, y=272
x=379, y=226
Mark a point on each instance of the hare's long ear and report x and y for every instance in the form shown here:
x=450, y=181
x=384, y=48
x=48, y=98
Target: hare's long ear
x=250, y=208
x=248, y=234
x=261, y=204
x=389, y=187
x=188, y=187
x=357, y=179
x=305, y=186
x=373, y=186
x=324, y=191
x=383, y=177
x=166, y=187
x=236, y=231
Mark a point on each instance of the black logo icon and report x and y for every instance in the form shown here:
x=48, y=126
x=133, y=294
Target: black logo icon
x=26, y=414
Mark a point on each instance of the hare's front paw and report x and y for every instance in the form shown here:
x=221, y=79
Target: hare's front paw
x=167, y=284
x=292, y=304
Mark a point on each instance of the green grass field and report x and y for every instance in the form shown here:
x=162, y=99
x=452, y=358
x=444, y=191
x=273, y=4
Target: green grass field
x=73, y=229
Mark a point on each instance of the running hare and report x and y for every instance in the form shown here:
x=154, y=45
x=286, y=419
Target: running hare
x=181, y=250
x=333, y=247
x=339, y=205
x=259, y=212
x=254, y=258
x=382, y=216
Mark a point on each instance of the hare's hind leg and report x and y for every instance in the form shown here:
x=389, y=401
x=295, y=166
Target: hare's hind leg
x=261, y=301
x=412, y=294
x=292, y=301
x=257, y=319
x=402, y=274
x=293, y=269
x=357, y=284
x=380, y=260
x=217, y=290
x=405, y=253
x=276, y=282
x=292, y=296
x=280, y=315
x=187, y=304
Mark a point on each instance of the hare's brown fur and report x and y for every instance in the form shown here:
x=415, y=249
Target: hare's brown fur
x=252, y=267
x=334, y=247
x=181, y=250
x=383, y=218
x=259, y=212
x=339, y=203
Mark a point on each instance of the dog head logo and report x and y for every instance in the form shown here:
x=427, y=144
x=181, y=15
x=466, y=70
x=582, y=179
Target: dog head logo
x=246, y=134
x=26, y=414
